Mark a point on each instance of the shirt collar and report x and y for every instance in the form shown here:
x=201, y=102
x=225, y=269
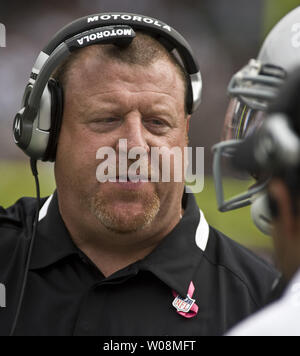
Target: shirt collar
x=53, y=241
x=174, y=261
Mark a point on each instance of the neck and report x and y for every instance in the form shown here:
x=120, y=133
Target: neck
x=111, y=251
x=110, y=261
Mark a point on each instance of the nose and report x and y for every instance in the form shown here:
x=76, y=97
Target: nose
x=134, y=132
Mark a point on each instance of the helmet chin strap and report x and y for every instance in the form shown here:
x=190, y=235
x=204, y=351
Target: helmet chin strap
x=261, y=214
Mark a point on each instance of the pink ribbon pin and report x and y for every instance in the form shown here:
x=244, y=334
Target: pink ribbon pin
x=186, y=307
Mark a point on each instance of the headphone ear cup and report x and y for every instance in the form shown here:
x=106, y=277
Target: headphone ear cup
x=57, y=101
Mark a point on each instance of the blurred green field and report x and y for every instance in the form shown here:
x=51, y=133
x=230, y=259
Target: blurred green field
x=17, y=181
x=236, y=224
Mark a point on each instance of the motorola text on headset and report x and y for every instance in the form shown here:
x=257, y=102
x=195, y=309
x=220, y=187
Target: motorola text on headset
x=37, y=124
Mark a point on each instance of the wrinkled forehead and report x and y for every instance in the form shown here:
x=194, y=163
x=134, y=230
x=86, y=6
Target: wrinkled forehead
x=97, y=70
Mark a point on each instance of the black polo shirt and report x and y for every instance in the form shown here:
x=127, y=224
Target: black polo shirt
x=66, y=294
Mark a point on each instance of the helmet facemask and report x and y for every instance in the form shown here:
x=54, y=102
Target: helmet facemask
x=252, y=90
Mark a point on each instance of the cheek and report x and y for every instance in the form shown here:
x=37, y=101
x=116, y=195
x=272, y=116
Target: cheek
x=177, y=137
x=172, y=146
x=180, y=141
x=76, y=153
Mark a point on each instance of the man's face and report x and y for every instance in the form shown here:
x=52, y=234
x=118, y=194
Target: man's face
x=106, y=101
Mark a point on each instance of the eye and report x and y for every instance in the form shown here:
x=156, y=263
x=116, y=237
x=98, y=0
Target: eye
x=108, y=120
x=157, y=125
x=104, y=124
x=157, y=122
x=105, y=121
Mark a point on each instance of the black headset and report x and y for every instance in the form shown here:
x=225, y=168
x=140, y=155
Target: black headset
x=36, y=126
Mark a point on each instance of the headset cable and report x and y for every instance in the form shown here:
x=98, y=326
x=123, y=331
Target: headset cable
x=33, y=165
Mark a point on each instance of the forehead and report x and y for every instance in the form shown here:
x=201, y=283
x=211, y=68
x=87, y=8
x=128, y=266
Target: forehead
x=93, y=69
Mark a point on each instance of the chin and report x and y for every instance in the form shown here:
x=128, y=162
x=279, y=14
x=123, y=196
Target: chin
x=123, y=216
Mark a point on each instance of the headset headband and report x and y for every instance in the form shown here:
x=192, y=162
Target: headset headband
x=164, y=33
x=137, y=22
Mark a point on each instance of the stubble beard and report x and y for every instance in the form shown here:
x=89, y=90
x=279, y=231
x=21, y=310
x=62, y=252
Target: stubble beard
x=124, y=222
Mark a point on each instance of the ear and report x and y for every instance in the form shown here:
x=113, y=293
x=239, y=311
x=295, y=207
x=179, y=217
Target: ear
x=186, y=158
x=287, y=220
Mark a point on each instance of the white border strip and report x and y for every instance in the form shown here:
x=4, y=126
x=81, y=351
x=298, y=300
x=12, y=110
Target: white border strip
x=202, y=232
x=43, y=212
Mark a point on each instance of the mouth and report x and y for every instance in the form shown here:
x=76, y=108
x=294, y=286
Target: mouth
x=132, y=179
x=130, y=185
x=124, y=182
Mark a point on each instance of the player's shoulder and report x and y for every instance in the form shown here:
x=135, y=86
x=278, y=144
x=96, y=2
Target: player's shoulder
x=277, y=319
x=241, y=264
x=281, y=318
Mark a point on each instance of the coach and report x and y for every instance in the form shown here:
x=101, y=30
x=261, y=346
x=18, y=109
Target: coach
x=117, y=258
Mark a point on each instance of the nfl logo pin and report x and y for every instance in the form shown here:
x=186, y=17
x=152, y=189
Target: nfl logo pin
x=183, y=304
x=186, y=307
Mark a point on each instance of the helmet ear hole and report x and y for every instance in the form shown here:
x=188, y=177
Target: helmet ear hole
x=56, y=93
x=261, y=214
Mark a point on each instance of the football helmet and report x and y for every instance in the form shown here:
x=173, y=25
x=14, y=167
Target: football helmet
x=252, y=90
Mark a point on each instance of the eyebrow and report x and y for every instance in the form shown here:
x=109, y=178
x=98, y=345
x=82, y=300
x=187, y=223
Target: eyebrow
x=112, y=106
